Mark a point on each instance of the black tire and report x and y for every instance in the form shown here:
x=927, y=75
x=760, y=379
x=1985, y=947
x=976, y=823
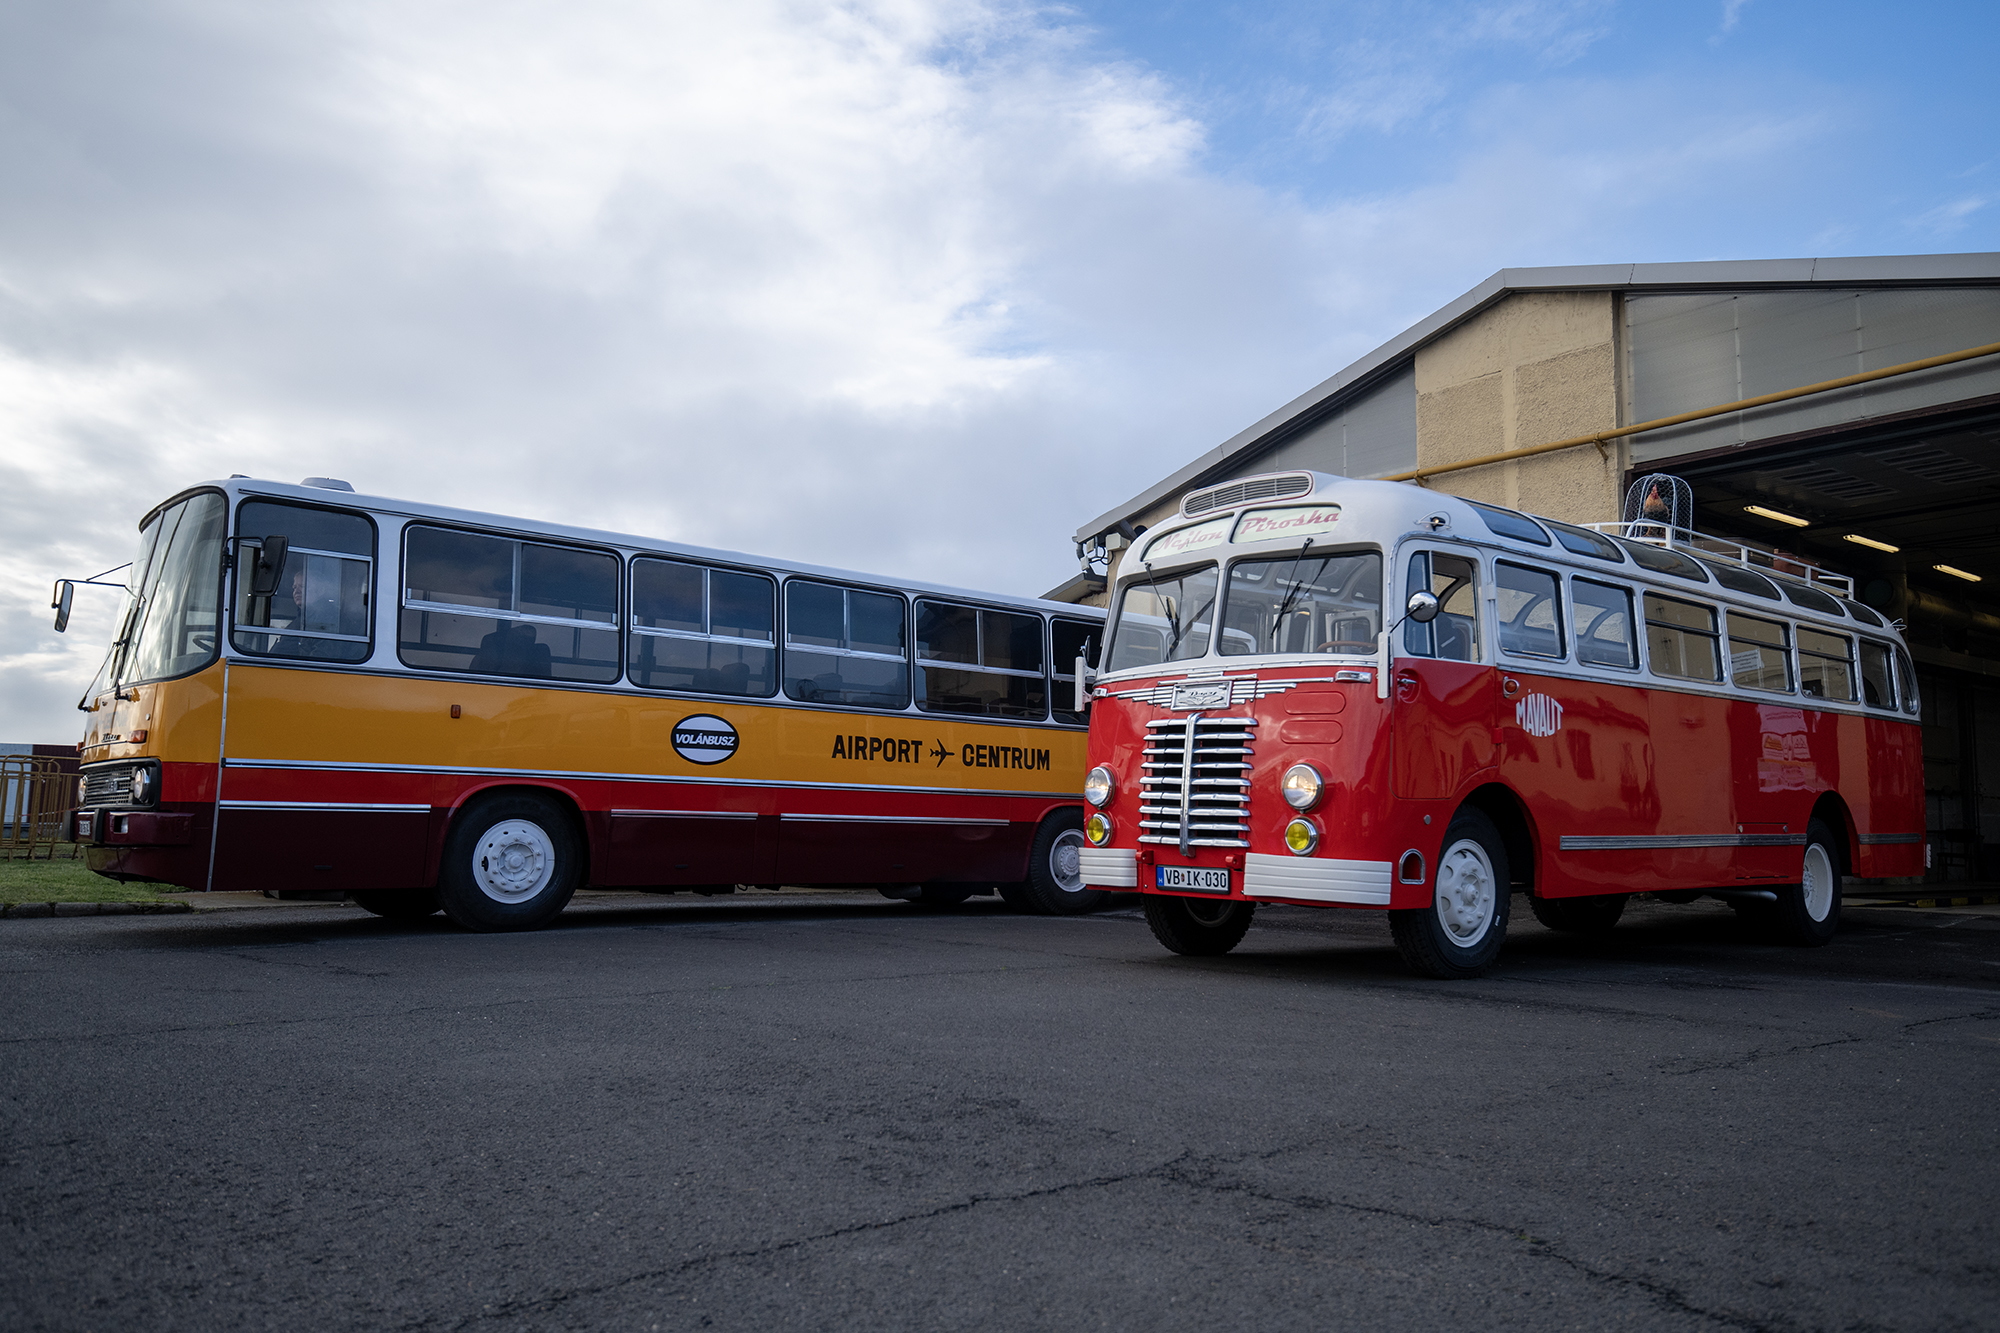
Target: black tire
x=1594, y=915
x=511, y=862
x=1198, y=927
x=1055, y=886
x=399, y=904
x=1808, y=913
x=1460, y=933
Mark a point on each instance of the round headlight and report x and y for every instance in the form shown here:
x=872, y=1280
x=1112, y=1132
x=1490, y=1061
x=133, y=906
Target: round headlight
x=1097, y=787
x=1301, y=837
x=1302, y=786
x=142, y=785
x=1097, y=828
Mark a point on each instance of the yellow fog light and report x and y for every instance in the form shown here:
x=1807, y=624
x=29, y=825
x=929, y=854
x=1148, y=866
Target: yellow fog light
x=1097, y=787
x=1302, y=786
x=1301, y=837
x=1097, y=828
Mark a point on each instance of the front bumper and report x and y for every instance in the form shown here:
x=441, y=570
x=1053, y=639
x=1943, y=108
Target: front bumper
x=130, y=828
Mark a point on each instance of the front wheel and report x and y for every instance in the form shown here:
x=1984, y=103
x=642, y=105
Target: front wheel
x=1808, y=913
x=511, y=862
x=1198, y=927
x=1460, y=933
x=1055, y=886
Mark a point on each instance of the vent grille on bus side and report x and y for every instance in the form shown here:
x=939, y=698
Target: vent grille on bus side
x=1215, y=779
x=1240, y=492
x=107, y=786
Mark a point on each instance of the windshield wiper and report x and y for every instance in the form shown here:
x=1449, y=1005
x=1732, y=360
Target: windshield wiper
x=1278, y=620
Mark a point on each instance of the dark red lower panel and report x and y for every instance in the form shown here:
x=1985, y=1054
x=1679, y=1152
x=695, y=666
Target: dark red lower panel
x=843, y=852
x=685, y=849
x=320, y=849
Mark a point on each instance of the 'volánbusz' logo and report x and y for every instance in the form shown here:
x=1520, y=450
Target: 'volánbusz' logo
x=704, y=739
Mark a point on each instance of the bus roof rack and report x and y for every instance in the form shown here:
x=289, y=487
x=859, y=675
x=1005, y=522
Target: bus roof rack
x=1793, y=567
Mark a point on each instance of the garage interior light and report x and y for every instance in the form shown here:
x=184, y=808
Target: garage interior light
x=1860, y=540
x=1956, y=573
x=1762, y=512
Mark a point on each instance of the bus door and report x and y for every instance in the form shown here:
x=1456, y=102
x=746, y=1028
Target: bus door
x=1443, y=721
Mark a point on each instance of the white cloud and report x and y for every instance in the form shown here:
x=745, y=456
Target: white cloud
x=1946, y=219
x=901, y=286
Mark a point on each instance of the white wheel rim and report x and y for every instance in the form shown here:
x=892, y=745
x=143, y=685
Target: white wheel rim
x=1066, y=860
x=1817, y=881
x=1465, y=893
x=513, y=861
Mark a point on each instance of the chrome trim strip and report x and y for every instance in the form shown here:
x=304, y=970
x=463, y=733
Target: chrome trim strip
x=885, y=819
x=1878, y=839
x=377, y=807
x=685, y=814
x=1593, y=843
x=337, y=766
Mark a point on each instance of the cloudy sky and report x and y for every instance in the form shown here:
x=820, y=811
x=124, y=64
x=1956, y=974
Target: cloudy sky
x=908, y=286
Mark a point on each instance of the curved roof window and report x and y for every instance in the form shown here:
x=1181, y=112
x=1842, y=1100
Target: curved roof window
x=1861, y=613
x=1582, y=541
x=1662, y=561
x=1737, y=579
x=1508, y=523
x=1811, y=598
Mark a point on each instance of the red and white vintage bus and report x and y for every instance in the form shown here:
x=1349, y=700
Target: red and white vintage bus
x=427, y=708
x=1573, y=713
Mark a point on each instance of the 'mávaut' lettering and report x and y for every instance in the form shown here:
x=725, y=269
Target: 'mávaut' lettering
x=1003, y=756
x=880, y=749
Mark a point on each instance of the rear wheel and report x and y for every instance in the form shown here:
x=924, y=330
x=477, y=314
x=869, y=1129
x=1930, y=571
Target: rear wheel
x=1808, y=913
x=1593, y=915
x=1460, y=933
x=399, y=904
x=511, y=862
x=1198, y=927
x=1055, y=886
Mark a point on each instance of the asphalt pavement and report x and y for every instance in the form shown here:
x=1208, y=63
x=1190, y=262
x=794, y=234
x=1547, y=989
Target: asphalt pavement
x=837, y=1111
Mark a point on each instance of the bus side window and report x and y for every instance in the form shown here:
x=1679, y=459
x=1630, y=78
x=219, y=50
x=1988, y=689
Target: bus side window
x=1878, y=684
x=697, y=628
x=1071, y=638
x=1906, y=684
x=1760, y=653
x=845, y=646
x=1604, y=631
x=1530, y=612
x=1455, y=632
x=1826, y=665
x=492, y=605
x=319, y=610
x=1681, y=640
x=972, y=660
x=1416, y=637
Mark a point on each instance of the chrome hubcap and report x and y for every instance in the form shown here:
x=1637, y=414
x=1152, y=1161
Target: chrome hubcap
x=1065, y=860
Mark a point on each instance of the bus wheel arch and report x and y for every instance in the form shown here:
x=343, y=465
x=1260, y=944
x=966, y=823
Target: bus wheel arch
x=1832, y=811
x=1516, y=827
x=1458, y=933
x=513, y=856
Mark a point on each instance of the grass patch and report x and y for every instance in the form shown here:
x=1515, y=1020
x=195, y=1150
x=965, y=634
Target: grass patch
x=65, y=881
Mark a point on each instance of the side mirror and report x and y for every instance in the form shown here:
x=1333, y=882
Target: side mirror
x=1085, y=678
x=1422, y=607
x=270, y=564
x=65, y=591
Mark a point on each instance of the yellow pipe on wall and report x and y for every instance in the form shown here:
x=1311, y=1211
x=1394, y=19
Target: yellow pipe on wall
x=1600, y=437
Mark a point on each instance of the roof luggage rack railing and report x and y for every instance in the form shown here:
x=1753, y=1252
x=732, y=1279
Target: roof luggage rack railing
x=1722, y=548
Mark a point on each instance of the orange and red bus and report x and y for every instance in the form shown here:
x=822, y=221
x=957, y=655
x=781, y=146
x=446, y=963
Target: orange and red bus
x=426, y=708
x=1574, y=713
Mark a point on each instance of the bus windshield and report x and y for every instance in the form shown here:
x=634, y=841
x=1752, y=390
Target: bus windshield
x=1164, y=618
x=170, y=620
x=1304, y=604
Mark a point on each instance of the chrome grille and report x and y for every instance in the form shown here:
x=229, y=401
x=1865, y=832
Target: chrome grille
x=1275, y=487
x=1195, y=781
x=108, y=786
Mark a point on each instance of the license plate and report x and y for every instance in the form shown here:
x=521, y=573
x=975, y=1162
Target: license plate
x=1192, y=877
x=1201, y=696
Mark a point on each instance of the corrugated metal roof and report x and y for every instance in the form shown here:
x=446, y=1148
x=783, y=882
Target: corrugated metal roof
x=1722, y=274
